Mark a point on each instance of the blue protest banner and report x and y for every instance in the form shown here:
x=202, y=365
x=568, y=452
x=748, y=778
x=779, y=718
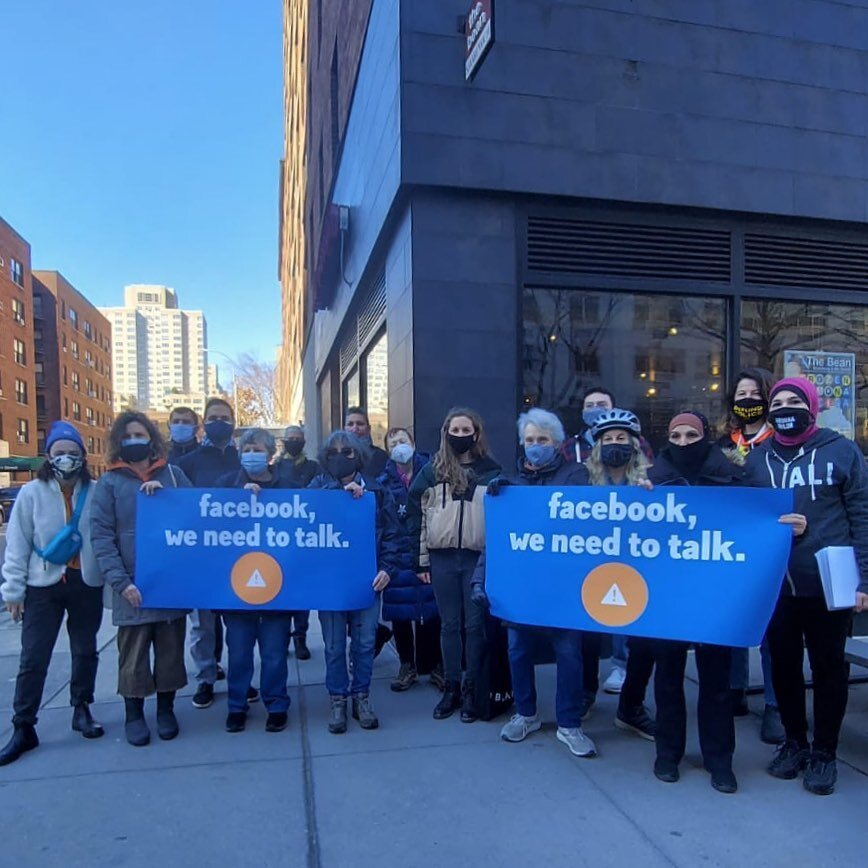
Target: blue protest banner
x=281, y=550
x=691, y=563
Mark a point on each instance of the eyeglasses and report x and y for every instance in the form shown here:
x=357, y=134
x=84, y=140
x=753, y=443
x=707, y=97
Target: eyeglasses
x=347, y=452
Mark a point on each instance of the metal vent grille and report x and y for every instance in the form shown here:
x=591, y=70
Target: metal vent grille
x=364, y=324
x=349, y=351
x=557, y=244
x=776, y=260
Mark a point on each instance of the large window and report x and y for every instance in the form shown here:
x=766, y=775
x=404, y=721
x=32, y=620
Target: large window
x=352, y=393
x=376, y=367
x=659, y=354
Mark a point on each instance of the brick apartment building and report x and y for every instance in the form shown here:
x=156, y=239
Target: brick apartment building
x=73, y=363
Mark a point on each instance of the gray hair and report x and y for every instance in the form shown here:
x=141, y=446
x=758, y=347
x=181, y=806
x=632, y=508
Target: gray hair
x=341, y=440
x=258, y=437
x=545, y=421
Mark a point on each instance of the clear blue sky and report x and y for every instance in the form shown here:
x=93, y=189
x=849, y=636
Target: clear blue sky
x=140, y=143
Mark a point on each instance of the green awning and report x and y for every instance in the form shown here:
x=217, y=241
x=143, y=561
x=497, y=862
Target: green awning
x=8, y=465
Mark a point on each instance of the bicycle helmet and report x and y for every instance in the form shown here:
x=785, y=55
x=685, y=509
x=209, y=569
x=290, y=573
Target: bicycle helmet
x=616, y=420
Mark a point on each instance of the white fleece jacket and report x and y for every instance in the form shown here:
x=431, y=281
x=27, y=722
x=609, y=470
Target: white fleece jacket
x=39, y=514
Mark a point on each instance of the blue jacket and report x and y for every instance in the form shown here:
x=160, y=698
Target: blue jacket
x=406, y=598
x=205, y=465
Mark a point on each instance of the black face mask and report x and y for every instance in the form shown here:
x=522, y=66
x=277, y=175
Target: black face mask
x=748, y=410
x=616, y=454
x=132, y=453
x=461, y=444
x=688, y=460
x=339, y=466
x=293, y=447
x=791, y=421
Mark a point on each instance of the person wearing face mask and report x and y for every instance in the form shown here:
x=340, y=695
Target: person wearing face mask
x=296, y=470
x=408, y=602
x=45, y=579
x=137, y=464
x=270, y=630
x=215, y=457
x=183, y=426
x=828, y=478
x=747, y=427
x=342, y=458
x=541, y=435
x=617, y=459
x=692, y=459
x=446, y=521
x=356, y=421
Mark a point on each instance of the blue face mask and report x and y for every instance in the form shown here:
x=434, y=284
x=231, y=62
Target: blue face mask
x=589, y=417
x=182, y=432
x=254, y=462
x=219, y=430
x=538, y=455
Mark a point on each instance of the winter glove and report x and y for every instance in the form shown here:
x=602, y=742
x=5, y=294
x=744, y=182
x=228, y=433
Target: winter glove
x=496, y=484
x=478, y=596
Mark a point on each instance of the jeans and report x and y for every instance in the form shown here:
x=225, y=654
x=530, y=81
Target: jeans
x=805, y=621
x=567, y=645
x=206, y=644
x=591, y=649
x=270, y=630
x=44, y=609
x=301, y=622
x=740, y=677
x=423, y=651
x=362, y=624
x=619, y=651
x=716, y=723
x=451, y=571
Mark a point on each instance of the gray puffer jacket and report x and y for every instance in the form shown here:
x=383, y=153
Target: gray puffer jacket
x=113, y=537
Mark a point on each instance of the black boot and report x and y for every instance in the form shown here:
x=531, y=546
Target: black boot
x=469, y=712
x=167, y=723
x=23, y=739
x=136, y=729
x=302, y=652
x=451, y=700
x=83, y=722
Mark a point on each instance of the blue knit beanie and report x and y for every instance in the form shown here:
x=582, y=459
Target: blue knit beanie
x=63, y=431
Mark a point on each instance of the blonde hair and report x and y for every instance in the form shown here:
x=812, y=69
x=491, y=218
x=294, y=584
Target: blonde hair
x=447, y=467
x=637, y=468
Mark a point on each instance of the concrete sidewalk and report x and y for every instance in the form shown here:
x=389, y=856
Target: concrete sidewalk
x=416, y=792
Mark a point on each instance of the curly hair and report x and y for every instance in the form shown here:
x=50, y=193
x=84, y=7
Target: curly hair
x=119, y=432
x=447, y=467
x=637, y=468
x=763, y=378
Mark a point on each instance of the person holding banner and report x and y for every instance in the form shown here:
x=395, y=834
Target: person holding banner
x=828, y=477
x=541, y=436
x=137, y=463
x=692, y=459
x=48, y=572
x=447, y=528
x=269, y=630
x=343, y=458
x=408, y=602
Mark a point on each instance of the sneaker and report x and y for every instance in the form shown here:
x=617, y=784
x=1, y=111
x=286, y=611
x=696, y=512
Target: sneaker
x=363, y=712
x=204, y=696
x=407, y=677
x=221, y=673
x=338, y=718
x=578, y=743
x=666, y=771
x=772, y=729
x=821, y=774
x=615, y=681
x=276, y=721
x=588, y=701
x=636, y=720
x=520, y=727
x=437, y=678
x=236, y=721
x=789, y=761
x=252, y=694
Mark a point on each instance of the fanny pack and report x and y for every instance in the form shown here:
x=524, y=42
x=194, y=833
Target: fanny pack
x=67, y=541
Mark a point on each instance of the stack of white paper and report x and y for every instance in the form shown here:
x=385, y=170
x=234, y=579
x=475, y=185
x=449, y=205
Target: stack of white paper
x=840, y=576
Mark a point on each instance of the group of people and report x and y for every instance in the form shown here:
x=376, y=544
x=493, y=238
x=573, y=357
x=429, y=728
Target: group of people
x=70, y=535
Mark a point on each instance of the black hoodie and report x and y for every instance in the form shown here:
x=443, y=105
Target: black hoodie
x=717, y=469
x=829, y=480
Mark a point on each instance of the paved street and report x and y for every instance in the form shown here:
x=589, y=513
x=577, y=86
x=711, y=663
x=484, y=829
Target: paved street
x=417, y=792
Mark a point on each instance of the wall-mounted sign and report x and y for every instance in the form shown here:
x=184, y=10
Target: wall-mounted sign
x=834, y=375
x=479, y=33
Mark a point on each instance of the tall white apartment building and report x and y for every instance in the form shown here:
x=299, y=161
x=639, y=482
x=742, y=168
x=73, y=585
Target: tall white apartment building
x=158, y=351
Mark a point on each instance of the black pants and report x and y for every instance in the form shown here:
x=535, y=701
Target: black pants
x=423, y=651
x=716, y=724
x=44, y=609
x=300, y=623
x=805, y=621
x=640, y=667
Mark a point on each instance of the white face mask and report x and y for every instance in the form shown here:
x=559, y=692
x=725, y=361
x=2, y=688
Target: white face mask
x=402, y=453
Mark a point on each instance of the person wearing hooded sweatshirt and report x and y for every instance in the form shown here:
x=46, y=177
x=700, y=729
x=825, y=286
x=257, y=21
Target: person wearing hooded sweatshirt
x=38, y=590
x=137, y=464
x=541, y=435
x=828, y=477
x=214, y=458
x=692, y=459
x=446, y=521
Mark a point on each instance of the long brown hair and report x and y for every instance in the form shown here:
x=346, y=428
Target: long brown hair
x=764, y=380
x=119, y=432
x=447, y=467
